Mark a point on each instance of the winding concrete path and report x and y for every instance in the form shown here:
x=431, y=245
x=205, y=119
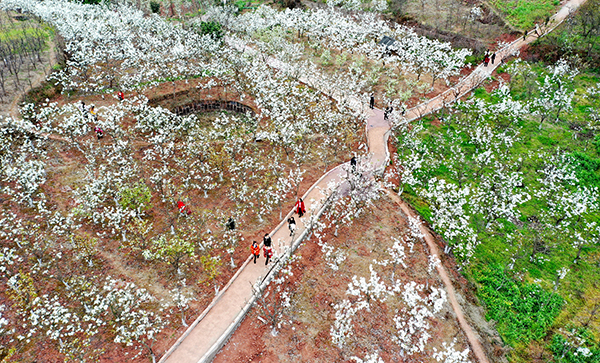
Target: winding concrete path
x=211, y=330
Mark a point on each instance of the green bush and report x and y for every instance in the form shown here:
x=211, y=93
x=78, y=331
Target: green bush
x=523, y=311
x=240, y=4
x=578, y=349
x=596, y=143
x=155, y=7
x=211, y=28
x=586, y=169
x=135, y=196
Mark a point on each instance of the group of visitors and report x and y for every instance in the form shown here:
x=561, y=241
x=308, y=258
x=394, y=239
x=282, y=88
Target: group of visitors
x=90, y=114
x=387, y=112
x=487, y=57
x=299, y=208
x=267, y=248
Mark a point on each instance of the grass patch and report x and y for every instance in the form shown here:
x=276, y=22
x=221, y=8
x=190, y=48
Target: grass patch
x=523, y=311
x=523, y=14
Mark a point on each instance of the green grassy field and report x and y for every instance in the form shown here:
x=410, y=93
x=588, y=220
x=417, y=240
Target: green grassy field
x=523, y=14
x=518, y=263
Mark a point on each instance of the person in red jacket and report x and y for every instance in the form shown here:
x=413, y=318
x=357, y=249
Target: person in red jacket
x=255, y=250
x=300, y=209
x=99, y=132
x=183, y=209
x=268, y=254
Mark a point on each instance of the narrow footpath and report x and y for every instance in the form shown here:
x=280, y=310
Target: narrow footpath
x=211, y=330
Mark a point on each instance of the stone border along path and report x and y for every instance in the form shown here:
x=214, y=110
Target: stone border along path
x=210, y=331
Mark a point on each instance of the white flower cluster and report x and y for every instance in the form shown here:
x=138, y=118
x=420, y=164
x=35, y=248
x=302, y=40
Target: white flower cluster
x=22, y=160
x=565, y=203
x=397, y=253
x=499, y=194
x=448, y=203
x=556, y=95
x=374, y=5
x=412, y=325
x=412, y=322
x=133, y=324
x=119, y=47
x=450, y=355
x=3, y=321
x=334, y=257
x=369, y=358
x=358, y=33
x=374, y=289
x=8, y=256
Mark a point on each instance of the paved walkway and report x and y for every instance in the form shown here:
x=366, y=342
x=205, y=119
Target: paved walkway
x=210, y=331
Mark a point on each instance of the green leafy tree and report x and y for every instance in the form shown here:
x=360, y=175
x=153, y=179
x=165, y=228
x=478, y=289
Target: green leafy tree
x=155, y=7
x=170, y=249
x=135, y=196
x=211, y=28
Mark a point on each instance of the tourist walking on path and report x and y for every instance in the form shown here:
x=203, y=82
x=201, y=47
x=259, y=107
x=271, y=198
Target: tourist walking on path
x=121, y=96
x=387, y=112
x=255, y=250
x=267, y=240
x=493, y=57
x=292, y=225
x=372, y=101
x=300, y=209
x=268, y=254
x=353, y=163
x=486, y=60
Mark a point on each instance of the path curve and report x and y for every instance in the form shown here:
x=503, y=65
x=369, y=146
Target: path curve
x=211, y=330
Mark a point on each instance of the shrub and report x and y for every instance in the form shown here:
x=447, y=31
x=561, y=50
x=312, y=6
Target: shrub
x=523, y=311
x=135, y=196
x=211, y=28
x=577, y=347
x=586, y=169
x=155, y=7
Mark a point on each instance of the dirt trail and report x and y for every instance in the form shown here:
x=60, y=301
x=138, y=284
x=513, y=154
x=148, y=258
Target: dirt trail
x=433, y=251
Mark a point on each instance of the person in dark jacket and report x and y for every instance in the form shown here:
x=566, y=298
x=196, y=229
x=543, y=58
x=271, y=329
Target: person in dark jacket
x=267, y=240
x=230, y=225
x=292, y=225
